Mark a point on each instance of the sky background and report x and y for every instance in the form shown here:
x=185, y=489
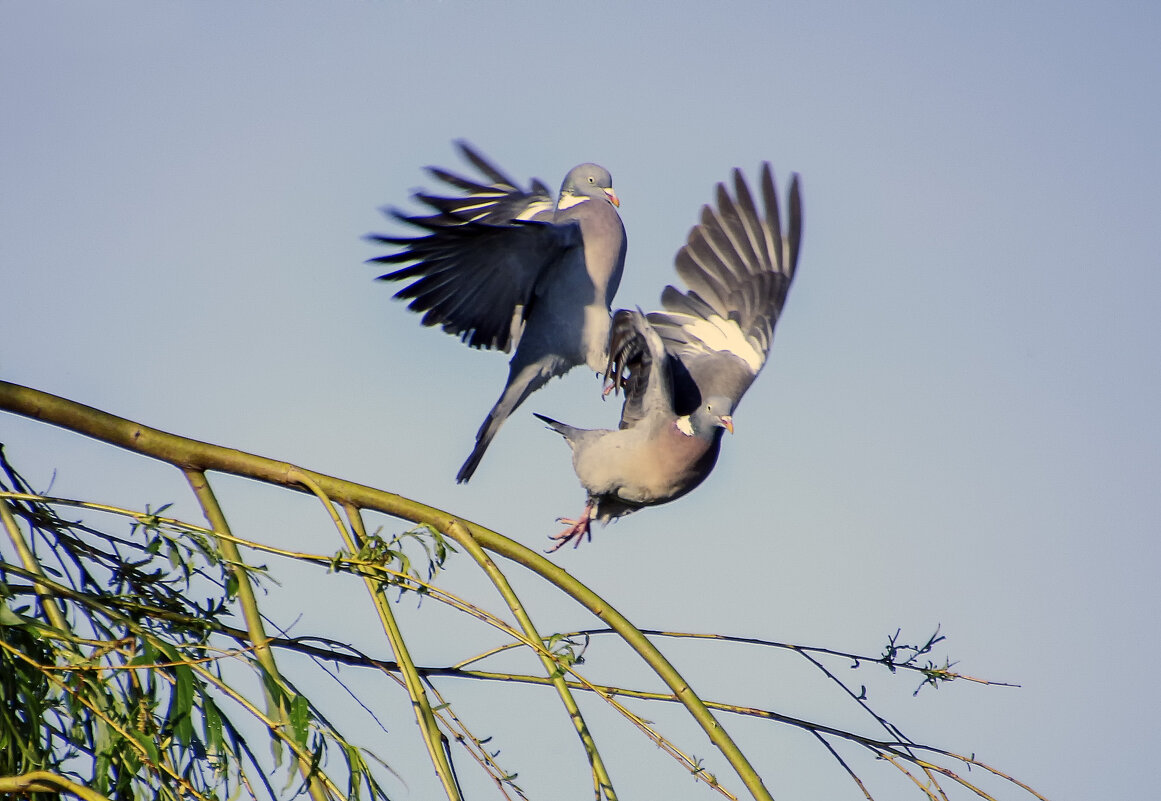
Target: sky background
x=957, y=426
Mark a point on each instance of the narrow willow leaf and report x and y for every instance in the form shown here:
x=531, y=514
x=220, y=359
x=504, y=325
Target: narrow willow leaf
x=300, y=719
x=211, y=725
x=10, y=618
x=181, y=705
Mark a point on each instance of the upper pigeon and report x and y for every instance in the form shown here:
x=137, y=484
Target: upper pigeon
x=514, y=269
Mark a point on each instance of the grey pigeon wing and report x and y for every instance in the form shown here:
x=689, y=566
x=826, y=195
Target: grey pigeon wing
x=476, y=280
x=498, y=202
x=474, y=266
x=738, y=263
x=640, y=367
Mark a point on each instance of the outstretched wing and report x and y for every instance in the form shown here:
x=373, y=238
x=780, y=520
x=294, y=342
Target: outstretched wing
x=738, y=264
x=473, y=269
x=476, y=280
x=499, y=202
x=640, y=367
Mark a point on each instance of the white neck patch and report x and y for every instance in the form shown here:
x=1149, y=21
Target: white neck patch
x=568, y=200
x=685, y=426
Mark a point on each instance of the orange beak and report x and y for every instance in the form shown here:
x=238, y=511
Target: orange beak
x=616, y=201
x=728, y=423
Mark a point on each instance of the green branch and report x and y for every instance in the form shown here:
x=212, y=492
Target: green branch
x=428, y=726
x=278, y=707
x=189, y=454
x=603, y=783
x=43, y=781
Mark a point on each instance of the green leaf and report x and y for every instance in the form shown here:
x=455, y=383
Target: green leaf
x=300, y=718
x=181, y=705
x=153, y=754
x=10, y=618
x=211, y=725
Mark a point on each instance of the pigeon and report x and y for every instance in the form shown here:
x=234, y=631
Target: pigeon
x=515, y=270
x=683, y=370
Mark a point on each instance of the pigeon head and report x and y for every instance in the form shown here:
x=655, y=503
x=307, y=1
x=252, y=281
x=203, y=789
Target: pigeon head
x=587, y=182
x=715, y=412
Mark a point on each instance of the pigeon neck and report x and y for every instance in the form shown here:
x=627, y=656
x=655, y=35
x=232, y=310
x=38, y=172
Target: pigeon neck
x=568, y=200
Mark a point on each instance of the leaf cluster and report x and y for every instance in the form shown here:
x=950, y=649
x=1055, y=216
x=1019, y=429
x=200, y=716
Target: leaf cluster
x=112, y=657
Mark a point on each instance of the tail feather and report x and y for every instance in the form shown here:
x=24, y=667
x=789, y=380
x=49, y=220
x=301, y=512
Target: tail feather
x=564, y=429
x=572, y=435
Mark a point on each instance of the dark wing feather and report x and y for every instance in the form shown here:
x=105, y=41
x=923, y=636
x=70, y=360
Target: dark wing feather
x=738, y=264
x=639, y=366
x=481, y=163
x=478, y=257
x=476, y=280
x=499, y=201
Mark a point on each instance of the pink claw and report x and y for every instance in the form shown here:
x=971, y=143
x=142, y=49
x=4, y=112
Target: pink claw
x=577, y=530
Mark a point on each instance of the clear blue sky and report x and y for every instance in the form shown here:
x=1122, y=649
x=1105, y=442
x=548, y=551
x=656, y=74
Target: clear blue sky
x=958, y=424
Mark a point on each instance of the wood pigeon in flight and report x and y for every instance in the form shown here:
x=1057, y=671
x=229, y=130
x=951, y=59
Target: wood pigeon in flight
x=512, y=269
x=683, y=370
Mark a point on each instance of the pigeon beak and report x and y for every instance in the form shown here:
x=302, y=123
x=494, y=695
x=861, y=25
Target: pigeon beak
x=728, y=423
x=616, y=201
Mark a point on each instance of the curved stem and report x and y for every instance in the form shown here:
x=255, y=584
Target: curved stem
x=278, y=708
x=51, y=609
x=428, y=726
x=194, y=455
x=601, y=779
x=43, y=781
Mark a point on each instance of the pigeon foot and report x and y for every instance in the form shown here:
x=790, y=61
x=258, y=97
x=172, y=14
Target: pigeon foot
x=577, y=530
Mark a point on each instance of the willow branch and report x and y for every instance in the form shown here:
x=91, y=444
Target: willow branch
x=277, y=707
x=194, y=455
x=51, y=609
x=43, y=781
x=603, y=783
x=428, y=726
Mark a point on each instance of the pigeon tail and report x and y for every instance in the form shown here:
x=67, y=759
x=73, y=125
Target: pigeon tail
x=564, y=429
